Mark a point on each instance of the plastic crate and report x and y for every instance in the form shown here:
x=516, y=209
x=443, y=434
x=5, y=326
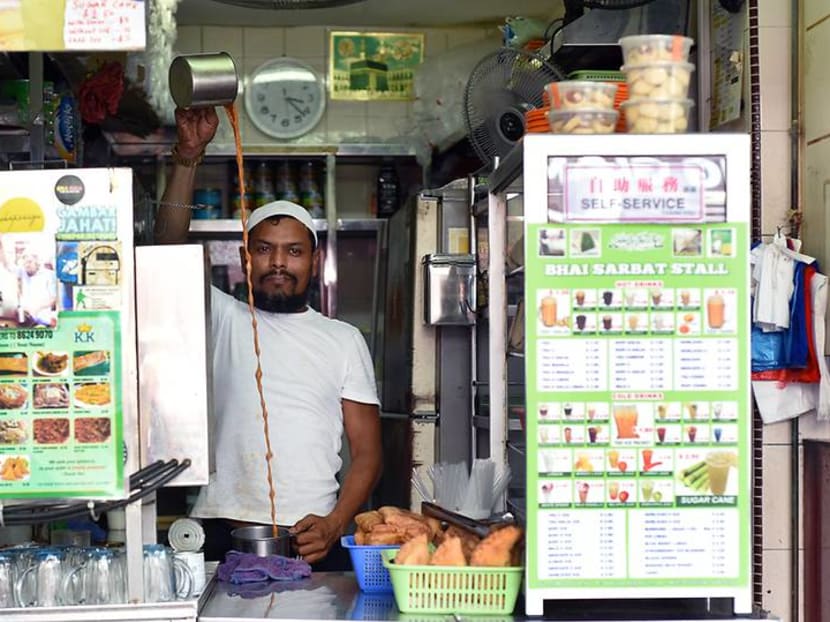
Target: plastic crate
x=374, y=607
x=372, y=576
x=467, y=589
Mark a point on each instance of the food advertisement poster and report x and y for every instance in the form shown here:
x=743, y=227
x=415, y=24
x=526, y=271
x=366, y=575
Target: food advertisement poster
x=61, y=423
x=374, y=65
x=637, y=386
x=637, y=403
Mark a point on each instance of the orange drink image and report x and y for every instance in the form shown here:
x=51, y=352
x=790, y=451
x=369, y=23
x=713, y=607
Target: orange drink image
x=717, y=466
x=692, y=408
x=633, y=321
x=580, y=298
x=548, y=310
x=685, y=297
x=626, y=419
x=662, y=410
x=613, y=490
x=715, y=311
x=567, y=435
x=613, y=458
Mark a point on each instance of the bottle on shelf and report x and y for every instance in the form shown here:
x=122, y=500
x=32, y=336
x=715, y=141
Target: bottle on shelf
x=310, y=196
x=236, y=199
x=263, y=185
x=388, y=189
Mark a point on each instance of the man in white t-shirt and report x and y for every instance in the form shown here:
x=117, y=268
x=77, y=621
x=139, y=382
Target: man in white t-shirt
x=317, y=378
x=38, y=291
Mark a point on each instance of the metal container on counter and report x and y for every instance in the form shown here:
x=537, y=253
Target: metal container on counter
x=259, y=539
x=450, y=287
x=202, y=80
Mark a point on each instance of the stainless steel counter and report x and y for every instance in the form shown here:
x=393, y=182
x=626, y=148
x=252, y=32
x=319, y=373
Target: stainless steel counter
x=327, y=596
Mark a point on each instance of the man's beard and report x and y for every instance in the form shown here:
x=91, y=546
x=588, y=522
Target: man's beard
x=281, y=303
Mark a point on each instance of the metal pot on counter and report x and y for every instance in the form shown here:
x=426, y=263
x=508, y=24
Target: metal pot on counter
x=259, y=539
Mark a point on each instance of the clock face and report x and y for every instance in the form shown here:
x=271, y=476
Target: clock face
x=285, y=98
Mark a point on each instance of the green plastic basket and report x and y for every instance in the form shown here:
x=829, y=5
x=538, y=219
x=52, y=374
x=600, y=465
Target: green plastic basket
x=595, y=74
x=468, y=589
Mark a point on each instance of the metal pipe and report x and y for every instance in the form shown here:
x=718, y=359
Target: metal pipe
x=497, y=301
x=795, y=205
x=37, y=135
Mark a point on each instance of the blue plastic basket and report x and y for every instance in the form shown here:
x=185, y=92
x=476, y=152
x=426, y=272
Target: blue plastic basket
x=372, y=576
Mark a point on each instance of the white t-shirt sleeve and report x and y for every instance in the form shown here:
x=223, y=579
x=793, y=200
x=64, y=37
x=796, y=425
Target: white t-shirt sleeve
x=220, y=307
x=359, y=381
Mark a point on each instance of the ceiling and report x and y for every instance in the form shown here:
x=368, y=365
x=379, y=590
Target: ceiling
x=372, y=13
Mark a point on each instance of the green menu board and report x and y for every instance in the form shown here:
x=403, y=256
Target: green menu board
x=60, y=408
x=637, y=363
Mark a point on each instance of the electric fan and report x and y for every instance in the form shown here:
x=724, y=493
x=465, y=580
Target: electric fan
x=502, y=87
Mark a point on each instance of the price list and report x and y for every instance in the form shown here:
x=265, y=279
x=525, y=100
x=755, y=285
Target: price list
x=572, y=365
x=706, y=364
x=641, y=365
x=583, y=544
x=683, y=543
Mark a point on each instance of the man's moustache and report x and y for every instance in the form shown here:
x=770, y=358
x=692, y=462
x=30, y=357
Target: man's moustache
x=280, y=273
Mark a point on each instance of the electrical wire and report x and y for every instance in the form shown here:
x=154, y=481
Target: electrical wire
x=142, y=484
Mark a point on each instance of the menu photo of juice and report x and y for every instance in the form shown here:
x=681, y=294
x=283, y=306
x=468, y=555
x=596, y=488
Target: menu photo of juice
x=687, y=323
x=636, y=323
x=656, y=461
x=721, y=243
x=662, y=323
x=656, y=492
x=720, y=310
x=668, y=434
x=707, y=472
x=556, y=493
x=596, y=411
x=633, y=422
x=553, y=312
x=573, y=434
x=589, y=493
x=585, y=322
x=549, y=435
x=620, y=462
x=588, y=461
x=598, y=434
x=669, y=411
x=622, y=492
x=696, y=433
x=548, y=411
x=695, y=411
x=610, y=323
x=661, y=298
x=724, y=433
x=554, y=461
x=688, y=298
x=584, y=299
x=724, y=411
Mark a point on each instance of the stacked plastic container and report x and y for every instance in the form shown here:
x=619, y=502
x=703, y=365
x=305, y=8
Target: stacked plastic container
x=658, y=74
x=582, y=107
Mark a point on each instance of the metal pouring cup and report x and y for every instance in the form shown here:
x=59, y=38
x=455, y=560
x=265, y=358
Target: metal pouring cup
x=203, y=80
x=258, y=539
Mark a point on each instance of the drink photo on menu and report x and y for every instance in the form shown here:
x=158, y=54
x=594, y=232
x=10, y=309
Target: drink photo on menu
x=687, y=323
x=661, y=297
x=552, y=242
x=553, y=315
x=720, y=310
x=584, y=299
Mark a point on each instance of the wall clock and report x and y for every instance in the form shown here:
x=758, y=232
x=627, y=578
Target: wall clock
x=285, y=98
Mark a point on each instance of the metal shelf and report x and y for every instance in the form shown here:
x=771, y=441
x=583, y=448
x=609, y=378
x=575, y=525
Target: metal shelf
x=14, y=141
x=232, y=225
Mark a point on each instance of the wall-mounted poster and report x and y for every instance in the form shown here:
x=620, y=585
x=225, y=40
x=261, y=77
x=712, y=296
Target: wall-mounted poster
x=374, y=65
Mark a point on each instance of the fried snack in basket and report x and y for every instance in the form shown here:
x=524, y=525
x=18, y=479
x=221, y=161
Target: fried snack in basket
x=367, y=520
x=450, y=553
x=414, y=553
x=495, y=550
x=384, y=535
x=469, y=541
x=360, y=538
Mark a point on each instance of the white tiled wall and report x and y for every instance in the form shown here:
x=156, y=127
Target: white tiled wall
x=348, y=121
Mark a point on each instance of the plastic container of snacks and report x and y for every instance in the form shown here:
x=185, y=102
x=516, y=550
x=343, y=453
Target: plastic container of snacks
x=645, y=49
x=372, y=576
x=582, y=121
x=647, y=116
x=581, y=94
x=664, y=80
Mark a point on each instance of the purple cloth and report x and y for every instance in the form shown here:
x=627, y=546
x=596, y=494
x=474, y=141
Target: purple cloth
x=249, y=568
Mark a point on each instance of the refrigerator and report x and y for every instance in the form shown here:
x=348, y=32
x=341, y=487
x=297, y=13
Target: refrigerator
x=637, y=364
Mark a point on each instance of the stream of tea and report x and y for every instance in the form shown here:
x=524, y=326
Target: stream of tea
x=233, y=117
